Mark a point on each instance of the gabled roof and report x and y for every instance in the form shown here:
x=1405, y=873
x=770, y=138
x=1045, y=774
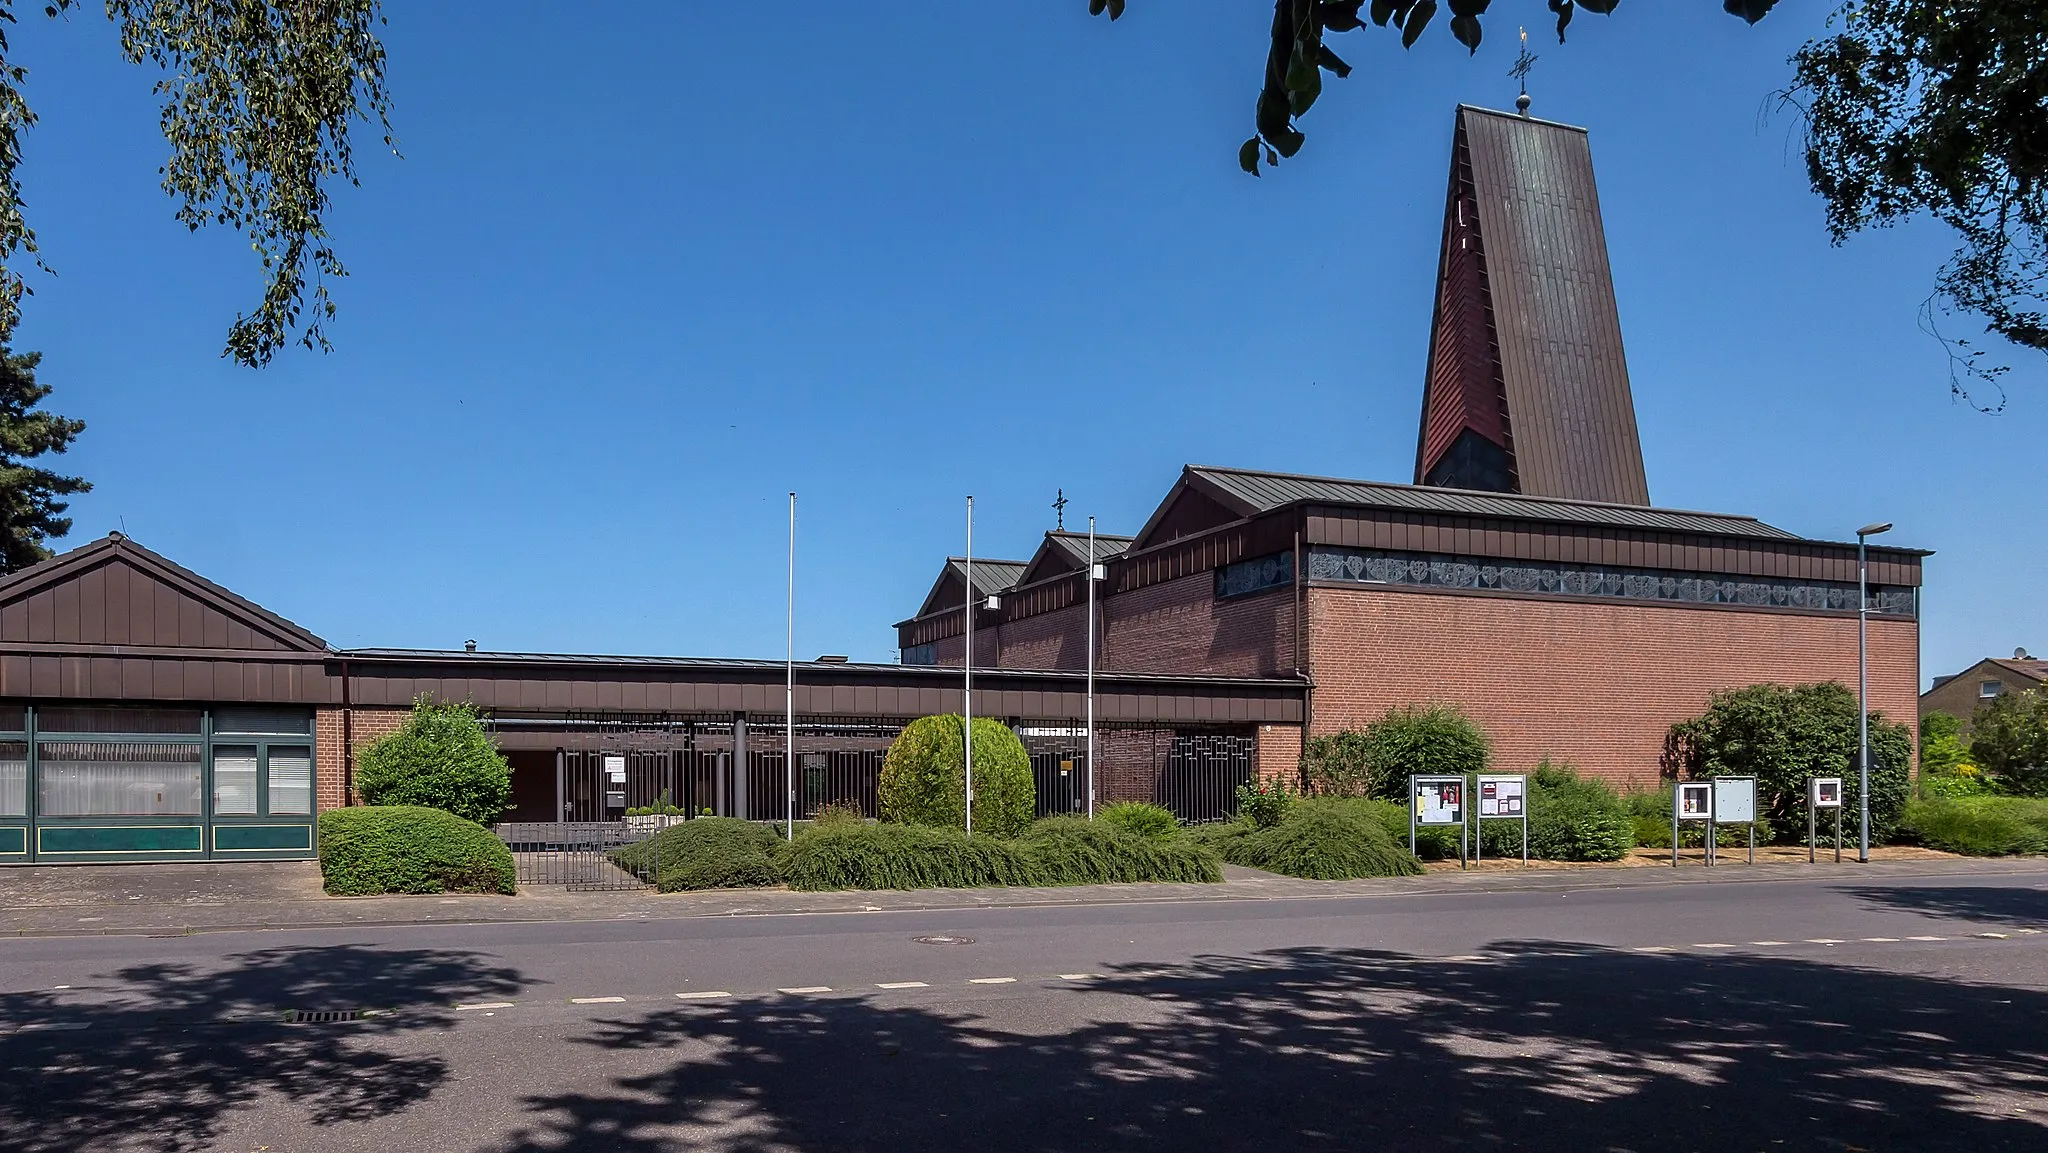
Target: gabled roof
x=1236, y=493
x=1065, y=552
x=2035, y=670
x=1527, y=385
x=949, y=590
x=113, y=591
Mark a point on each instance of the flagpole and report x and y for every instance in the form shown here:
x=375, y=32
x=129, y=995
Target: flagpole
x=967, y=664
x=1090, y=574
x=789, y=683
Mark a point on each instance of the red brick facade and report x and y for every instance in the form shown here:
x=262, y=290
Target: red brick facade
x=364, y=726
x=1597, y=684
x=1279, y=752
x=1179, y=626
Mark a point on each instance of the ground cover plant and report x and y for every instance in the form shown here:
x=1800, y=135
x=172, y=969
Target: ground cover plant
x=441, y=758
x=367, y=850
x=924, y=777
x=1151, y=822
x=707, y=853
x=1319, y=838
x=1055, y=851
x=1979, y=826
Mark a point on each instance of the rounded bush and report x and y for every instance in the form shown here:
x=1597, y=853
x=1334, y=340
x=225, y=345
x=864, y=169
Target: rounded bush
x=923, y=778
x=1141, y=820
x=373, y=849
x=1422, y=740
x=442, y=759
x=1325, y=843
x=716, y=853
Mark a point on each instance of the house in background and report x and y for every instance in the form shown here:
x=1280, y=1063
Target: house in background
x=1961, y=694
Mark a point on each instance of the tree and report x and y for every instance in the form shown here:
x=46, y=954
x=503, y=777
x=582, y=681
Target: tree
x=2009, y=741
x=1909, y=106
x=30, y=508
x=1785, y=734
x=441, y=759
x=923, y=777
x=1422, y=740
x=258, y=97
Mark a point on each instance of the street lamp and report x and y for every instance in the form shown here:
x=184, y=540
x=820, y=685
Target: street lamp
x=1863, y=686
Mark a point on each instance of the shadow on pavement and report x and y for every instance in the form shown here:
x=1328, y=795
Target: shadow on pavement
x=2009, y=905
x=146, y=1060
x=1538, y=1047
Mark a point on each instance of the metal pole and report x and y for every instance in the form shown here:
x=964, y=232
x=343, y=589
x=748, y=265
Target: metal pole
x=1812, y=822
x=967, y=692
x=789, y=685
x=1091, y=667
x=1862, y=701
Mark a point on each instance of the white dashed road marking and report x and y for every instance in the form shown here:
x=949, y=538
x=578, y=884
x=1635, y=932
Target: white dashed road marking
x=1076, y=976
x=1770, y=942
x=807, y=989
x=1881, y=940
x=1995, y=936
x=486, y=1005
x=706, y=995
x=1714, y=945
x=902, y=985
x=1927, y=938
x=991, y=980
x=1823, y=941
x=595, y=1000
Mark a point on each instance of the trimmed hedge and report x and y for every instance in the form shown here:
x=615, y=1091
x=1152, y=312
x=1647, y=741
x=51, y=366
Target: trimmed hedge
x=710, y=853
x=1324, y=840
x=924, y=777
x=1980, y=826
x=373, y=849
x=1141, y=820
x=1056, y=851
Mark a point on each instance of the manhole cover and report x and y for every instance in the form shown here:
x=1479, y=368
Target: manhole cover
x=943, y=940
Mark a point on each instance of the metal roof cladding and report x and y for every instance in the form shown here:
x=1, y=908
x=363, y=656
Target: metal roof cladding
x=1076, y=543
x=990, y=576
x=1258, y=492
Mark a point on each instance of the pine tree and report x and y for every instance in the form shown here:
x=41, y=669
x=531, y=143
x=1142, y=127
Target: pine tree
x=29, y=495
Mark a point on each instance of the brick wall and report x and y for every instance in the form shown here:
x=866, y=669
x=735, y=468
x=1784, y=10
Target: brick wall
x=1179, y=626
x=1279, y=753
x=1596, y=684
x=1962, y=695
x=365, y=725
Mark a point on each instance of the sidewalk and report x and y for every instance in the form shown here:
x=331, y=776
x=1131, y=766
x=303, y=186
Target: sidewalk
x=174, y=900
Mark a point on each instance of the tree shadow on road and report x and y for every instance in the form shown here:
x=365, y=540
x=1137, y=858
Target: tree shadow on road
x=157, y=1055
x=1988, y=904
x=1535, y=1047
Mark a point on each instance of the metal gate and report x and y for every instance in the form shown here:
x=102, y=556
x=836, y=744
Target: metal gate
x=1059, y=768
x=595, y=845
x=1202, y=774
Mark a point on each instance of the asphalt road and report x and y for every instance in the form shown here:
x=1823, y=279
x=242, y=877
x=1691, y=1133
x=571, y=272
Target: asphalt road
x=1801, y=1014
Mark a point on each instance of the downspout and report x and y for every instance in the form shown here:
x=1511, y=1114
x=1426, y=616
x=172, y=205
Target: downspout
x=348, y=743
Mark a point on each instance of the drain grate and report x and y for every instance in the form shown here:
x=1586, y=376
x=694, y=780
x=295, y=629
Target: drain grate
x=943, y=940
x=321, y=1016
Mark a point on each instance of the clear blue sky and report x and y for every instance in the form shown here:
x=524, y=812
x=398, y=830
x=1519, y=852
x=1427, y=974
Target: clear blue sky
x=645, y=268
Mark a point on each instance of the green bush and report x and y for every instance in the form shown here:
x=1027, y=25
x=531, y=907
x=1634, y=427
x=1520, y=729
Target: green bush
x=1782, y=735
x=1056, y=851
x=2009, y=741
x=1422, y=740
x=1980, y=826
x=1077, y=851
x=372, y=849
x=1650, y=816
x=1340, y=765
x=1139, y=819
x=1263, y=804
x=1322, y=841
x=1574, y=818
x=924, y=778
x=662, y=807
x=440, y=758
x=708, y=853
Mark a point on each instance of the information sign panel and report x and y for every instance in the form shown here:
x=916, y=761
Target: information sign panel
x=1734, y=800
x=615, y=768
x=1694, y=801
x=1503, y=796
x=1827, y=792
x=1439, y=800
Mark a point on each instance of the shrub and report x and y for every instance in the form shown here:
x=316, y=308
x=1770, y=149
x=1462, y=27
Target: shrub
x=1783, y=735
x=2009, y=741
x=924, y=778
x=372, y=849
x=442, y=759
x=1650, y=817
x=1263, y=804
x=662, y=807
x=1574, y=818
x=1077, y=851
x=900, y=856
x=709, y=853
x=1139, y=819
x=838, y=812
x=1340, y=765
x=1422, y=740
x=1325, y=842
x=1980, y=826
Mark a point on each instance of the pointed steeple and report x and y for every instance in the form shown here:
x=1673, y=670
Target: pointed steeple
x=1527, y=388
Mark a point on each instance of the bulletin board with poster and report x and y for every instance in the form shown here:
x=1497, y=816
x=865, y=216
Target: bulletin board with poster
x=1690, y=801
x=1437, y=802
x=1502, y=797
x=1823, y=793
x=1734, y=804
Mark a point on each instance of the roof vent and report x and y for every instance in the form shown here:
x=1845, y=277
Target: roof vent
x=831, y=659
x=469, y=646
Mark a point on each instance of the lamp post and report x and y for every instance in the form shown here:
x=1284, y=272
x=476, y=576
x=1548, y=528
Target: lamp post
x=967, y=666
x=789, y=687
x=1863, y=686
x=1093, y=568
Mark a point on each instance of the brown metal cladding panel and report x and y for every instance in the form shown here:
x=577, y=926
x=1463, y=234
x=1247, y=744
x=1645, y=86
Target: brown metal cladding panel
x=42, y=616
x=92, y=606
x=64, y=612
x=191, y=617
x=114, y=604
x=14, y=621
x=633, y=696
x=167, y=680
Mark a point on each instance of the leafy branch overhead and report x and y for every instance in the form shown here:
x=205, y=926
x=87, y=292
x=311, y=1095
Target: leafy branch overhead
x=258, y=99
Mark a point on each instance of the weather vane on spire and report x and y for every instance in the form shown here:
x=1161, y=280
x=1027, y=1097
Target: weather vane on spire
x=1059, y=508
x=1523, y=63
